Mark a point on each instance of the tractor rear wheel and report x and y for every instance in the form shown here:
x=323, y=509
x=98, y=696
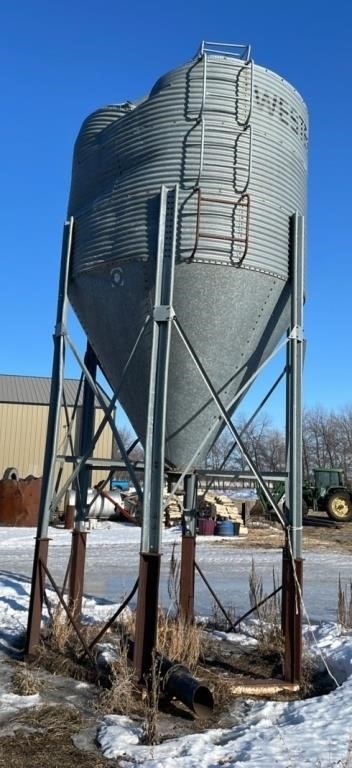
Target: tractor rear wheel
x=339, y=506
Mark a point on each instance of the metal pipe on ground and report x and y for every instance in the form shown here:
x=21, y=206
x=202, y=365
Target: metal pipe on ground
x=177, y=682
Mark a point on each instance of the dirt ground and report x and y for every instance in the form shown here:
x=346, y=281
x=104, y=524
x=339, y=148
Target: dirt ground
x=318, y=534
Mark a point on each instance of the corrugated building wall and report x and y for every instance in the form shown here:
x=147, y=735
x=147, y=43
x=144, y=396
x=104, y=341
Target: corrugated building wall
x=23, y=425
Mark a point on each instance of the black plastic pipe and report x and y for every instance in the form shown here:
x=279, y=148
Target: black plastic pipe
x=177, y=682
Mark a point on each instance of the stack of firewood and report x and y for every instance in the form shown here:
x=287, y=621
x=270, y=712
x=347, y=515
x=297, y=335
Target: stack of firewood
x=219, y=507
x=172, y=509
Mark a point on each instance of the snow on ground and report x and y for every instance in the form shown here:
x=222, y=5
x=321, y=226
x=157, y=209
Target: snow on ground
x=315, y=732
x=113, y=559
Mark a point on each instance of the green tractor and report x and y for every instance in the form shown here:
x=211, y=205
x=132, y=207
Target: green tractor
x=327, y=493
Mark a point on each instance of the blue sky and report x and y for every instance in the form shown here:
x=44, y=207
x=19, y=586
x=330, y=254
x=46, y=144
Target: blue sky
x=61, y=60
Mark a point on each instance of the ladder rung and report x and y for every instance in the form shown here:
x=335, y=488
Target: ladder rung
x=243, y=202
x=229, y=238
x=223, y=200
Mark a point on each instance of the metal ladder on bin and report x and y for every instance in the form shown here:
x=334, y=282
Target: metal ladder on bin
x=241, y=199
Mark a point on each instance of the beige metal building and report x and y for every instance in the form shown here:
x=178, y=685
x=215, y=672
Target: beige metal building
x=24, y=406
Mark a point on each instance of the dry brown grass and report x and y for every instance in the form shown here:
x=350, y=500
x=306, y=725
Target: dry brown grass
x=61, y=634
x=306, y=684
x=218, y=620
x=61, y=651
x=52, y=719
x=61, y=647
x=218, y=682
x=128, y=625
x=269, y=634
x=44, y=738
x=173, y=581
x=66, y=665
x=150, y=731
x=344, y=604
x=25, y=680
x=179, y=640
x=124, y=696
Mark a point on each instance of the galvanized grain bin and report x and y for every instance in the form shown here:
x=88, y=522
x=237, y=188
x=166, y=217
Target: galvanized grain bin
x=233, y=136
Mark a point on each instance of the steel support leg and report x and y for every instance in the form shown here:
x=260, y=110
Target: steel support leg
x=147, y=605
x=292, y=559
x=52, y=436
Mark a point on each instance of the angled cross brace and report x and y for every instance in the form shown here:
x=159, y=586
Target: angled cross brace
x=248, y=424
x=107, y=419
x=108, y=414
x=227, y=420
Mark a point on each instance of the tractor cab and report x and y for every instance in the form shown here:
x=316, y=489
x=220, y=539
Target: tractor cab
x=328, y=493
x=324, y=479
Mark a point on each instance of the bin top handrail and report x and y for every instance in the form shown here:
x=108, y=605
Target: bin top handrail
x=237, y=50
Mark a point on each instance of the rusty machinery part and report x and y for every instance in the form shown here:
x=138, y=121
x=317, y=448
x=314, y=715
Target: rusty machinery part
x=11, y=473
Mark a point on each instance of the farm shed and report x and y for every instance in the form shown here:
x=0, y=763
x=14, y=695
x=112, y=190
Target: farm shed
x=24, y=406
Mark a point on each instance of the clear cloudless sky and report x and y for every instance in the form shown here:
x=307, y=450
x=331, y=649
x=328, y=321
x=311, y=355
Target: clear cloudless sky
x=61, y=60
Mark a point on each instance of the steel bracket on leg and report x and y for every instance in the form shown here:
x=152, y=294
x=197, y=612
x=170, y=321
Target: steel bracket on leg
x=188, y=548
x=147, y=613
x=76, y=582
x=36, y=598
x=292, y=620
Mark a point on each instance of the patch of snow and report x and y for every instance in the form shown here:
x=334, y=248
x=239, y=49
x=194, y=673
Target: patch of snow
x=11, y=703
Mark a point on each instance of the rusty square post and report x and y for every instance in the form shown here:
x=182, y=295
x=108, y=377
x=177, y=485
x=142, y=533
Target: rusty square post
x=188, y=548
